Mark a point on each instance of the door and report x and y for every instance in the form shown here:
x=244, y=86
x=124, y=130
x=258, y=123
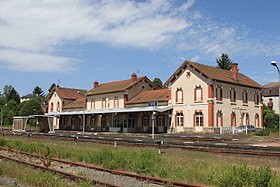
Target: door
x=198, y=122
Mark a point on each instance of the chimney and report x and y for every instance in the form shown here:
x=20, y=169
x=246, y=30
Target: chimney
x=95, y=84
x=133, y=77
x=234, y=69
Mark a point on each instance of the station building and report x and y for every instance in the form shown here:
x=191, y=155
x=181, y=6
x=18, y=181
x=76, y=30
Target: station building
x=205, y=98
x=198, y=98
x=270, y=94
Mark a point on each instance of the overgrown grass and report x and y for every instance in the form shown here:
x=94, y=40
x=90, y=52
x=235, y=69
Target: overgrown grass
x=178, y=165
x=31, y=177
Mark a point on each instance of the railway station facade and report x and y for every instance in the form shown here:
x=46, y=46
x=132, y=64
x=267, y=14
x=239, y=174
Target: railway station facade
x=197, y=98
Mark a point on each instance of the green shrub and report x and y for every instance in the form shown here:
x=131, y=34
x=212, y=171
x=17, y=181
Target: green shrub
x=236, y=176
x=263, y=177
x=263, y=132
x=145, y=161
x=3, y=142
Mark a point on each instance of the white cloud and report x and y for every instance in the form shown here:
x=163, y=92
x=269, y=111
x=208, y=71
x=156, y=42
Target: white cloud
x=35, y=62
x=39, y=28
x=207, y=38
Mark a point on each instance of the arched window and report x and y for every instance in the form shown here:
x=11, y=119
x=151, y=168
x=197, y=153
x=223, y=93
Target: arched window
x=257, y=120
x=58, y=106
x=219, y=118
x=198, y=96
x=233, y=119
x=219, y=92
x=232, y=95
x=244, y=96
x=51, y=107
x=256, y=98
x=179, y=95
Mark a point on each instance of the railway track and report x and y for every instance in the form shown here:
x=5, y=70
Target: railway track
x=120, y=178
x=213, y=146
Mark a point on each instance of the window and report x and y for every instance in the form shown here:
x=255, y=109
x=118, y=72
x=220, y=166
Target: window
x=116, y=102
x=92, y=104
x=219, y=118
x=161, y=120
x=270, y=103
x=198, y=119
x=58, y=107
x=244, y=96
x=232, y=95
x=245, y=119
x=233, y=119
x=179, y=95
x=180, y=119
x=198, y=94
x=256, y=98
x=146, y=120
x=51, y=107
x=108, y=102
x=257, y=120
x=103, y=104
x=219, y=92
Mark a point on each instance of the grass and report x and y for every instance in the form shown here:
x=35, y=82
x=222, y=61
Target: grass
x=177, y=165
x=31, y=177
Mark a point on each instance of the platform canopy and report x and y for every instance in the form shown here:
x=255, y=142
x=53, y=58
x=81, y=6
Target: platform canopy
x=115, y=110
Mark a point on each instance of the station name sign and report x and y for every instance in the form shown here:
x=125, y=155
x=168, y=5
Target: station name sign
x=153, y=103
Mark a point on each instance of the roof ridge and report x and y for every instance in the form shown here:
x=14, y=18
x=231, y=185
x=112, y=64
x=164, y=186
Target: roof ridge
x=121, y=81
x=214, y=73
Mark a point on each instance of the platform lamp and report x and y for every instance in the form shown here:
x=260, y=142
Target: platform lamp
x=274, y=63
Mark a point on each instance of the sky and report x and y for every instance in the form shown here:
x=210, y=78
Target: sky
x=76, y=42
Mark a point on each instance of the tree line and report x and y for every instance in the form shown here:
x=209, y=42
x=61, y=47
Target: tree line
x=11, y=106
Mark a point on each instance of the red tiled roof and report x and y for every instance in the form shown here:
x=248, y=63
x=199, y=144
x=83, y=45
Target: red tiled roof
x=70, y=93
x=116, y=86
x=215, y=74
x=271, y=89
x=150, y=96
x=79, y=103
x=272, y=84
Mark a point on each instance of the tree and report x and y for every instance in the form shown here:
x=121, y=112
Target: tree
x=31, y=107
x=158, y=82
x=224, y=62
x=9, y=111
x=51, y=87
x=13, y=95
x=7, y=89
x=270, y=118
x=37, y=91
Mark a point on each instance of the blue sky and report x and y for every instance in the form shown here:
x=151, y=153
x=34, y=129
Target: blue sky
x=76, y=42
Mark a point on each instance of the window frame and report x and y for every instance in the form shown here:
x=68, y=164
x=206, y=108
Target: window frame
x=181, y=99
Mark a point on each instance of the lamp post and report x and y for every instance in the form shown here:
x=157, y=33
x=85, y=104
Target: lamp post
x=274, y=63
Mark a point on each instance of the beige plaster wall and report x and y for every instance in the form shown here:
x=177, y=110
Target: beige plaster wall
x=140, y=86
x=110, y=96
x=238, y=107
x=189, y=106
